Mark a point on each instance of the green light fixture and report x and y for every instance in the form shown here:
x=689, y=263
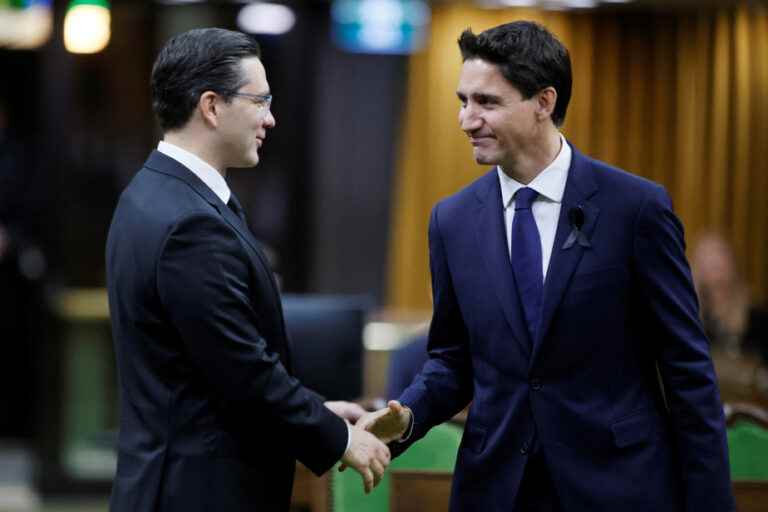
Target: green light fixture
x=87, y=26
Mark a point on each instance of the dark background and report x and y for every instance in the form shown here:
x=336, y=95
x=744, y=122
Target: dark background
x=87, y=125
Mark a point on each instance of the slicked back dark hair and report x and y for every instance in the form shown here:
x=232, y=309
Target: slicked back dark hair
x=528, y=56
x=205, y=59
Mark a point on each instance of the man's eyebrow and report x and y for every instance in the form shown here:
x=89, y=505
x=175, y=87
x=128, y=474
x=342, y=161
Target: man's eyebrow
x=480, y=96
x=487, y=97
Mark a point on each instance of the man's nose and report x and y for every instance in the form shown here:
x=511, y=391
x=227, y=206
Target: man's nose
x=269, y=120
x=468, y=119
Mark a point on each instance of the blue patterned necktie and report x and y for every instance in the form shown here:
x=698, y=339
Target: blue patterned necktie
x=526, y=258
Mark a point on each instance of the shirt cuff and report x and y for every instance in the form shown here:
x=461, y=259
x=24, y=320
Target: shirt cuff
x=409, y=431
x=349, y=436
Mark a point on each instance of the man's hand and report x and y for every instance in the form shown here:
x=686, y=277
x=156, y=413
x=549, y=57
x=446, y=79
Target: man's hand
x=388, y=424
x=366, y=455
x=346, y=410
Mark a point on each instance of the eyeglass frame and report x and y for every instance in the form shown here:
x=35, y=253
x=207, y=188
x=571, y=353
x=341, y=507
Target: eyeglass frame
x=262, y=100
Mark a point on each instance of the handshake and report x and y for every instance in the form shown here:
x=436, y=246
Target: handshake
x=367, y=452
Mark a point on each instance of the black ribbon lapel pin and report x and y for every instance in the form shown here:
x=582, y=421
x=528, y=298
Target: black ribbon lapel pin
x=576, y=219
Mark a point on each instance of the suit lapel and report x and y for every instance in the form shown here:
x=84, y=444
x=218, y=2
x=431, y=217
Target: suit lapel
x=579, y=188
x=492, y=240
x=162, y=163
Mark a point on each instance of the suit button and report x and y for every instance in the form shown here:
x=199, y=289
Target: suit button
x=524, y=449
x=536, y=384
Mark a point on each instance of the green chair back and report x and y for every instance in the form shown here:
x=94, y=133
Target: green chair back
x=436, y=451
x=748, y=450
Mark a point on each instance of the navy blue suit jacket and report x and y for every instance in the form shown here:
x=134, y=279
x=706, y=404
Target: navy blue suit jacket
x=618, y=390
x=210, y=417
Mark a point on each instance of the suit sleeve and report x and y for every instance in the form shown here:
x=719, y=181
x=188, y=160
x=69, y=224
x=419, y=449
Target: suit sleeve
x=203, y=277
x=685, y=365
x=444, y=386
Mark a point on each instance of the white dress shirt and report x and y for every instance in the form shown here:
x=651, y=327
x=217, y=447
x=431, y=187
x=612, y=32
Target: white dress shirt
x=215, y=182
x=199, y=167
x=550, y=184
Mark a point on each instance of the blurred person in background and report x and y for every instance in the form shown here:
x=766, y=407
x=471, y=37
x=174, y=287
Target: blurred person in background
x=733, y=323
x=737, y=328
x=211, y=417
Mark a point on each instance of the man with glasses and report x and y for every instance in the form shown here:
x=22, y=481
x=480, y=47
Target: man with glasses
x=210, y=416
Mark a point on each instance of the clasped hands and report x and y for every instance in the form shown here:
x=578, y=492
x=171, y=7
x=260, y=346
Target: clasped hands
x=367, y=452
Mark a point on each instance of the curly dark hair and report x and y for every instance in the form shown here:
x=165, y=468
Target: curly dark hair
x=528, y=55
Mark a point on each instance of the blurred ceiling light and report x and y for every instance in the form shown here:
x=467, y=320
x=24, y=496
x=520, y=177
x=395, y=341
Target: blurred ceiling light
x=266, y=18
x=381, y=12
x=579, y=4
x=87, y=26
x=25, y=25
x=519, y=3
x=381, y=20
x=380, y=26
x=179, y=2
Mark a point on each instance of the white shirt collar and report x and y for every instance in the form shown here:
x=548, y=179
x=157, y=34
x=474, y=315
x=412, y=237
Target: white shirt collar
x=199, y=167
x=550, y=183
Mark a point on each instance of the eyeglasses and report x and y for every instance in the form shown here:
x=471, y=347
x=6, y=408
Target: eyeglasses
x=263, y=101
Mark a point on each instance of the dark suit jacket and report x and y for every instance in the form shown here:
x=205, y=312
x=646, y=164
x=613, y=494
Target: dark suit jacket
x=210, y=417
x=587, y=393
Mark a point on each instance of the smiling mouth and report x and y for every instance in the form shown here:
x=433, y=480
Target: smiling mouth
x=477, y=141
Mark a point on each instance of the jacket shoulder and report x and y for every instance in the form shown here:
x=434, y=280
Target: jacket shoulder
x=153, y=198
x=470, y=197
x=612, y=178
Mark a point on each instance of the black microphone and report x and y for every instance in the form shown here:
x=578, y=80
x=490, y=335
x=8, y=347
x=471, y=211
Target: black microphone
x=576, y=217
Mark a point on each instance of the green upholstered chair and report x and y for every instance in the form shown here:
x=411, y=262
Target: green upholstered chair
x=748, y=448
x=747, y=441
x=437, y=451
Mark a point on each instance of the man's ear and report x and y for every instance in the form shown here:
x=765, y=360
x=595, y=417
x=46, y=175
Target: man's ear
x=207, y=106
x=546, y=99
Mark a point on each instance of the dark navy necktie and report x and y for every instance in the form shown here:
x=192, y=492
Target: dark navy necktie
x=236, y=207
x=526, y=258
